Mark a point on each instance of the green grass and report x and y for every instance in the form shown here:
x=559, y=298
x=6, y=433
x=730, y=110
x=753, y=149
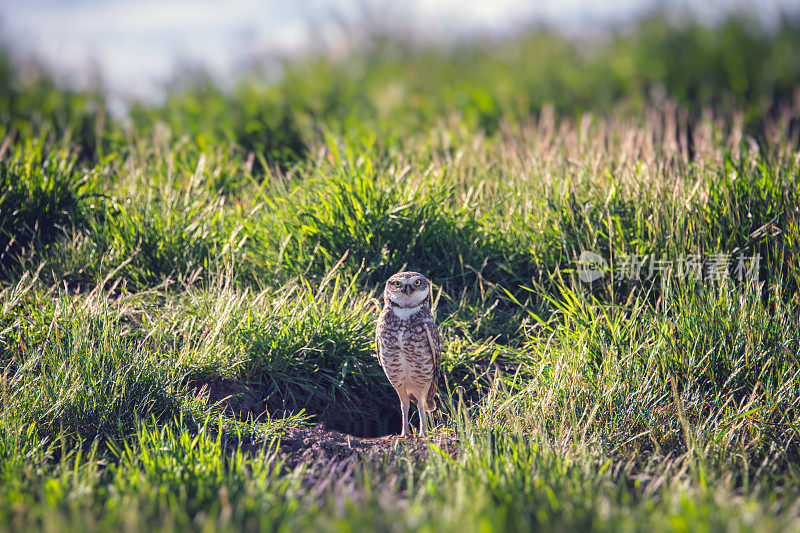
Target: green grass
x=179, y=293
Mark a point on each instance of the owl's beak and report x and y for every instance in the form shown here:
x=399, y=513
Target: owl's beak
x=408, y=289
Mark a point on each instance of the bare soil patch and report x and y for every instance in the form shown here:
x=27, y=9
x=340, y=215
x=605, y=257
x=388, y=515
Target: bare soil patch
x=312, y=444
x=328, y=448
x=332, y=460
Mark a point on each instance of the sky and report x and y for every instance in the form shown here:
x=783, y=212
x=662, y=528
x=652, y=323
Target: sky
x=136, y=46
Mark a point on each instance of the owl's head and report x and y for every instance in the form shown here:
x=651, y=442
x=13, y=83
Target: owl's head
x=407, y=289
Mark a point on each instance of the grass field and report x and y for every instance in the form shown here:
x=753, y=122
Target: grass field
x=185, y=289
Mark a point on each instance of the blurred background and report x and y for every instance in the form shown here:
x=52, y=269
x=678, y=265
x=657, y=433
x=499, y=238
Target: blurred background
x=258, y=73
x=135, y=47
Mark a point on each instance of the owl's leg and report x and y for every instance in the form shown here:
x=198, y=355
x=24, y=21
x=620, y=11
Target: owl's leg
x=422, y=422
x=404, y=409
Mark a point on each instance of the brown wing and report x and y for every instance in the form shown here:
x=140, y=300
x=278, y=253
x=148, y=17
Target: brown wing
x=378, y=351
x=432, y=332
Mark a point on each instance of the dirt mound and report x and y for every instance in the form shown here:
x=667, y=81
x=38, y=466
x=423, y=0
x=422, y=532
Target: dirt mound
x=332, y=460
x=309, y=444
x=338, y=439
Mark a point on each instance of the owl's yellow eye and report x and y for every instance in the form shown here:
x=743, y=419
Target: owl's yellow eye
x=397, y=284
x=416, y=283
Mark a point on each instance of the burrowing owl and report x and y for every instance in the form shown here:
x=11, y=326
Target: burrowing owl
x=407, y=343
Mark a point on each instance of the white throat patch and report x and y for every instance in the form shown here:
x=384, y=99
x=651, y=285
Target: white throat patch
x=404, y=313
x=408, y=300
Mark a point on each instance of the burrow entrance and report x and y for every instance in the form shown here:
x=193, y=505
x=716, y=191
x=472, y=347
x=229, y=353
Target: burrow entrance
x=359, y=417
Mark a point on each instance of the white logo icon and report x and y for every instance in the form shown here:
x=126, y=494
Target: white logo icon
x=591, y=266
